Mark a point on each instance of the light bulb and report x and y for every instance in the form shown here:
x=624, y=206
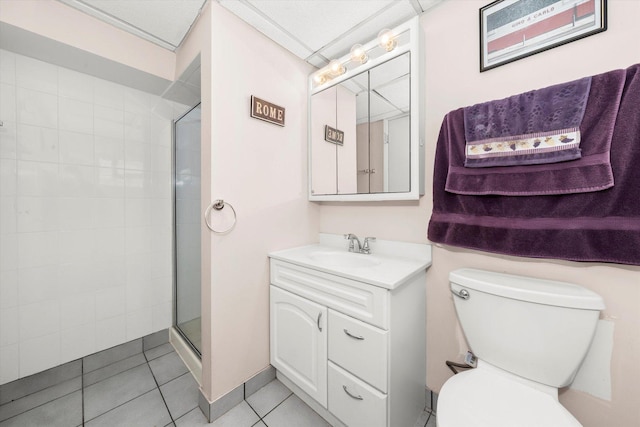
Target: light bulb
x=358, y=54
x=386, y=40
x=319, y=78
x=336, y=68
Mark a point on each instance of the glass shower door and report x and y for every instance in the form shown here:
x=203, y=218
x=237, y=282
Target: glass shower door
x=187, y=226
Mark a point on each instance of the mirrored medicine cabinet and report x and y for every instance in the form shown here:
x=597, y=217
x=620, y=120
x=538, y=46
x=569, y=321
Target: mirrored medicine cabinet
x=366, y=126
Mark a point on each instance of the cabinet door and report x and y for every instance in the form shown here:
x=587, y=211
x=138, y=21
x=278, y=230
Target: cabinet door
x=299, y=342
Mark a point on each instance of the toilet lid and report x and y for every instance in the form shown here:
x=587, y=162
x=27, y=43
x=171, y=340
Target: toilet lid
x=487, y=399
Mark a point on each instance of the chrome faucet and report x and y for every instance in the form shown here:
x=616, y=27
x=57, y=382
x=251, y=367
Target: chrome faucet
x=356, y=246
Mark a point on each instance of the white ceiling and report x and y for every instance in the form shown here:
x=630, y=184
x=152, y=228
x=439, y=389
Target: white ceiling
x=314, y=30
x=320, y=30
x=164, y=22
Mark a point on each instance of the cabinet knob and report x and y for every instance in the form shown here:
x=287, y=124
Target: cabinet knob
x=319, y=317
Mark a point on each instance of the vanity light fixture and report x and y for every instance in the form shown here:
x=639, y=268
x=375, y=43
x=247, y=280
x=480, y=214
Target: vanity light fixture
x=359, y=54
x=320, y=77
x=387, y=40
x=336, y=68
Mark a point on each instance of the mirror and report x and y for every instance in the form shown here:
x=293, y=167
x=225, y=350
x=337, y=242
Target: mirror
x=365, y=124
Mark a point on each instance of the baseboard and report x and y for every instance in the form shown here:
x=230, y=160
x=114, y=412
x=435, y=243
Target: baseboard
x=214, y=410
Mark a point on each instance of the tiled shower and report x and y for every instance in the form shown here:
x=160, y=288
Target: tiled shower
x=85, y=214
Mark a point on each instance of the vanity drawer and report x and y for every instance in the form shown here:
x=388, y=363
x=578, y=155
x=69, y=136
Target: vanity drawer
x=359, y=348
x=354, y=402
x=360, y=300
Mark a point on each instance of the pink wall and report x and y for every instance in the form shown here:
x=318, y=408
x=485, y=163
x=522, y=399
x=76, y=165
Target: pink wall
x=453, y=80
x=261, y=169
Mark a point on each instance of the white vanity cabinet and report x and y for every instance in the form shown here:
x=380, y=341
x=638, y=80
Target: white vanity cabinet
x=352, y=350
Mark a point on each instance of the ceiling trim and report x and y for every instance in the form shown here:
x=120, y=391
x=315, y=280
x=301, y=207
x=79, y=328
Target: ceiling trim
x=123, y=25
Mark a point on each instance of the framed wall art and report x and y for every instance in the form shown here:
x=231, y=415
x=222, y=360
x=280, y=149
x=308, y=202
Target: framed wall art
x=514, y=29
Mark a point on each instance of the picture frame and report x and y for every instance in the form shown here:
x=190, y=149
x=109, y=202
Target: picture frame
x=514, y=29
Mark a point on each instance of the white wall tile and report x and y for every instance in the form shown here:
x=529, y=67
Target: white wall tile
x=137, y=212
x=161, y=182
x=160, y=158
x=137, y=156
x=139, y=102
x=84, y=200
x=37, y=143
x=137, y=183
x=137, y=240
x=36, y=75
x=8, y=140
x=7, y=102
x=108, y=242
x=75, y=213
x=37, y=108
x=162, y=215
x=162, y=262
x=111, y=332
x=108, y=94
x=76, y=181
x=162, y=289
x=110, y=302
x=9, y=361
x=40, y=353
x=8, y=210
x=74, y=247
x=76, y=148
x=108, y=122
x=139, y=323
x=109, y=152
x=7, y=67
x=108, y=212
x=110, y=182
x=75, y=115
x=110, y=271
x=75, y=85
x=162, y=316
x=37, y=214
x=37, y=179
x=77, y=310
x=9, y=321
x=77, y=342
x=38, y=319
x=9, y=252
x=38, y=284
x=38, y=249
x=8, y=288
x=135, y=127
x=8, y=181
x=76, y=278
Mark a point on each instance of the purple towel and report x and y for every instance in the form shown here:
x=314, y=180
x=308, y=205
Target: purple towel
x=593, y=226
x=536, y=127
x=591, y=172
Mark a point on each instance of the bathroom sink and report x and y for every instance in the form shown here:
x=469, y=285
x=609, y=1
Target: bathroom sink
x=338, y=259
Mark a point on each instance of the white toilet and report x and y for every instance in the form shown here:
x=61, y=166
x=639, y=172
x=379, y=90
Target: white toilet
x=530, y=337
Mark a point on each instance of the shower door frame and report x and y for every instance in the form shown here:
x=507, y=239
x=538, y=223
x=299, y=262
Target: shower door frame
x=175, y=231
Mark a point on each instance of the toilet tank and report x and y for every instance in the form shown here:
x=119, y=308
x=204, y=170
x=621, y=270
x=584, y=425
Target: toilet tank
x=538, y=329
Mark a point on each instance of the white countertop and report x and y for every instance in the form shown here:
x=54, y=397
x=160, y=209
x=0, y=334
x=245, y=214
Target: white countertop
x=393, y=263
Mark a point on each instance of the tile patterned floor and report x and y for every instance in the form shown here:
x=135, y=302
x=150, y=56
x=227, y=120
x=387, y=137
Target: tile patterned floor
x=137, y=384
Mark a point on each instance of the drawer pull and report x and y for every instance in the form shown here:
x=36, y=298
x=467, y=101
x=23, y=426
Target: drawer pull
x=319, y=317
x=358, y=397
x=357, y=337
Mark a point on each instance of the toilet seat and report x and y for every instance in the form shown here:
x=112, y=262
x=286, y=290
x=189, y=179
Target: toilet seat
x=484, y=398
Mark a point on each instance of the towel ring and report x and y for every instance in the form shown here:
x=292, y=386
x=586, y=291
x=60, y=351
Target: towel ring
x=219, y=205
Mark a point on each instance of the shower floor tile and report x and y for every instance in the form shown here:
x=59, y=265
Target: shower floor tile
x=142, y=383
